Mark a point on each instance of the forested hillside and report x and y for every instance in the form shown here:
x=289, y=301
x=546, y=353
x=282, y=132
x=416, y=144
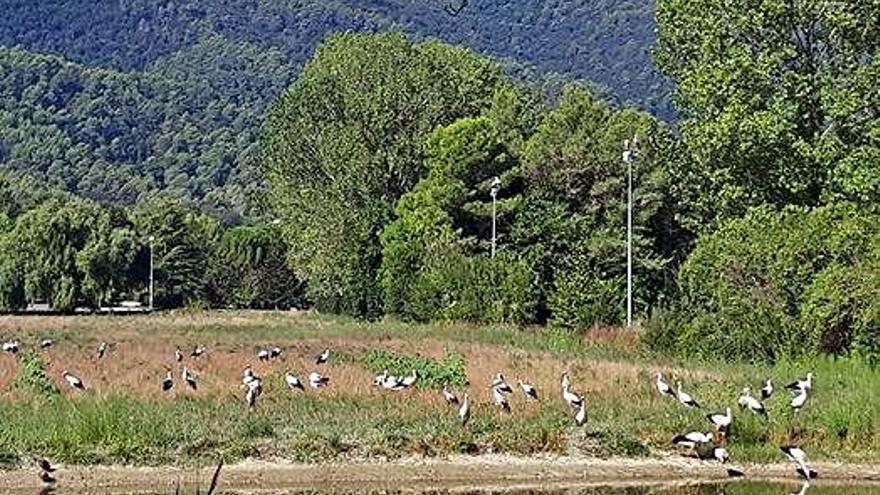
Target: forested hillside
x=604, y=41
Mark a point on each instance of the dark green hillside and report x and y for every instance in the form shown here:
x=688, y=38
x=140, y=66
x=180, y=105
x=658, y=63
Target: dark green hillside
x=605, y=41
x=188, y=126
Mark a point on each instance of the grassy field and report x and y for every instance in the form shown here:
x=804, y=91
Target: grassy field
x=123, y=417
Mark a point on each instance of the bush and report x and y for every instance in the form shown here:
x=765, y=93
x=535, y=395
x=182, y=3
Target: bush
x=32, y=377
x=450, y=370
x=778, y=283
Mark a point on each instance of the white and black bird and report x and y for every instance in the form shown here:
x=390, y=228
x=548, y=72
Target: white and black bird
x=263, y=355
x=528, y=390
x=47, y=478
x=566, y=381
x=799, y=457
x=323, y=357
x=247, y=374
x=45, y=465
x=11, y=347
x=767, y=389
x=464, y=411
x=189, y=377
x=692, y=439
x=46, y=343
x=663, y=386
x=721, y=421
x=580, y=417
x=499, y=398
x=500, y=384
x=685, y=398
x=573, y=400
x=317, y=380
x=448, y=396
x=805, y=384
x=275, y=352
x=798, y=401
x=102, y=350
x=254, y=390
x=293, y=381
x=752, y=404
x=73, y=380
x=720, y=454
x=197, y=352
x=167, y=382
x=178, y=356
x=409, y=380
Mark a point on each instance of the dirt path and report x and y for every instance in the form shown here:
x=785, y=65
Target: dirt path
x=456, y=473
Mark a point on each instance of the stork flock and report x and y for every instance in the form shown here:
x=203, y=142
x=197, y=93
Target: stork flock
x=499, y=392
x=716, y=440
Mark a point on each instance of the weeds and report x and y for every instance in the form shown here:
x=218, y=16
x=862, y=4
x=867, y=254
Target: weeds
x=32, y=378
x=451, y=370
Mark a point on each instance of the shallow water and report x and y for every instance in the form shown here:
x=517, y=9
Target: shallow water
x=739, y=488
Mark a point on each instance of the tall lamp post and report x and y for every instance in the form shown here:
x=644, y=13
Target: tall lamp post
x=496, y=186
x=629, y=156
x=151, y=239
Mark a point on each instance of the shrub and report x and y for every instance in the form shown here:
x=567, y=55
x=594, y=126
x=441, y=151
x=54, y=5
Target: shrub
x=777, y=283
x=450, y=370
x=32, y=377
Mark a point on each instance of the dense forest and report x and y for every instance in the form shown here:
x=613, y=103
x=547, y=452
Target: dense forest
x=170, y=96
x=390, y=162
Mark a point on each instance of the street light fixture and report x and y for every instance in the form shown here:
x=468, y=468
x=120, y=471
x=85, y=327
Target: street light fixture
x=629, y=156
x=151, y=239
x=496, y=186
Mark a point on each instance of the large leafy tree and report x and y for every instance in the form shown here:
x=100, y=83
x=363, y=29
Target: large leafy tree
x=778, y=100
x=572, y=225
x=346, y=141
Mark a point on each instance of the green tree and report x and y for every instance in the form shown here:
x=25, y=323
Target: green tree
x=778, y=100
x=572, y=226
x=249, y=270
x=182, y=242
x=346, y=141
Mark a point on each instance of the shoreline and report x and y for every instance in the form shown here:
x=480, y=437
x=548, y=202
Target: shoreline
x=455, y=473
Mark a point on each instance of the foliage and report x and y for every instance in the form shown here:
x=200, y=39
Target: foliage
x=432, y=373
x=345, y=142
x=573, y=223
x=32, y=377
x=249, y=270
x=777, y=99
x=779, y=283
x=182, y=241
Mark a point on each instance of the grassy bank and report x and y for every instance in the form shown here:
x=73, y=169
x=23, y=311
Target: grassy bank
x=123, y=417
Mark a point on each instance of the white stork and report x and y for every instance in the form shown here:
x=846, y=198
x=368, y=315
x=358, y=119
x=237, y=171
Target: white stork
x=767, y=389
x=167, y=382
x=190, y=378
x=73, y=380
x=500, y=384
x=46, y=343
x=685, y=398
x=721, y=421
x=580, y=418
x=448, y=396
x=102, y=350
x=500, y=399
x=197, y=352
x=572, y=399
x=720, y=454
x=663, y=387
x=263, y=355
x=805, y=384
x=528, y=390
x=293, y=381
x=11, y=347
x=692, y=439
x=798, y=401
x=464, y=412
x=178, y=356
x=275, y=352
x=323, y=357
x=317, y=380
x=752, y=404
x=799, y=457
x=410, y=380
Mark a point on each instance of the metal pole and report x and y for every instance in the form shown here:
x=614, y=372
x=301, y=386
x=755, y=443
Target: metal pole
x=151, y=272
x=493, y=224
x=629, y=240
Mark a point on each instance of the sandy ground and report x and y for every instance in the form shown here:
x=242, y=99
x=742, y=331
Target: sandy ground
x=454, y=474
